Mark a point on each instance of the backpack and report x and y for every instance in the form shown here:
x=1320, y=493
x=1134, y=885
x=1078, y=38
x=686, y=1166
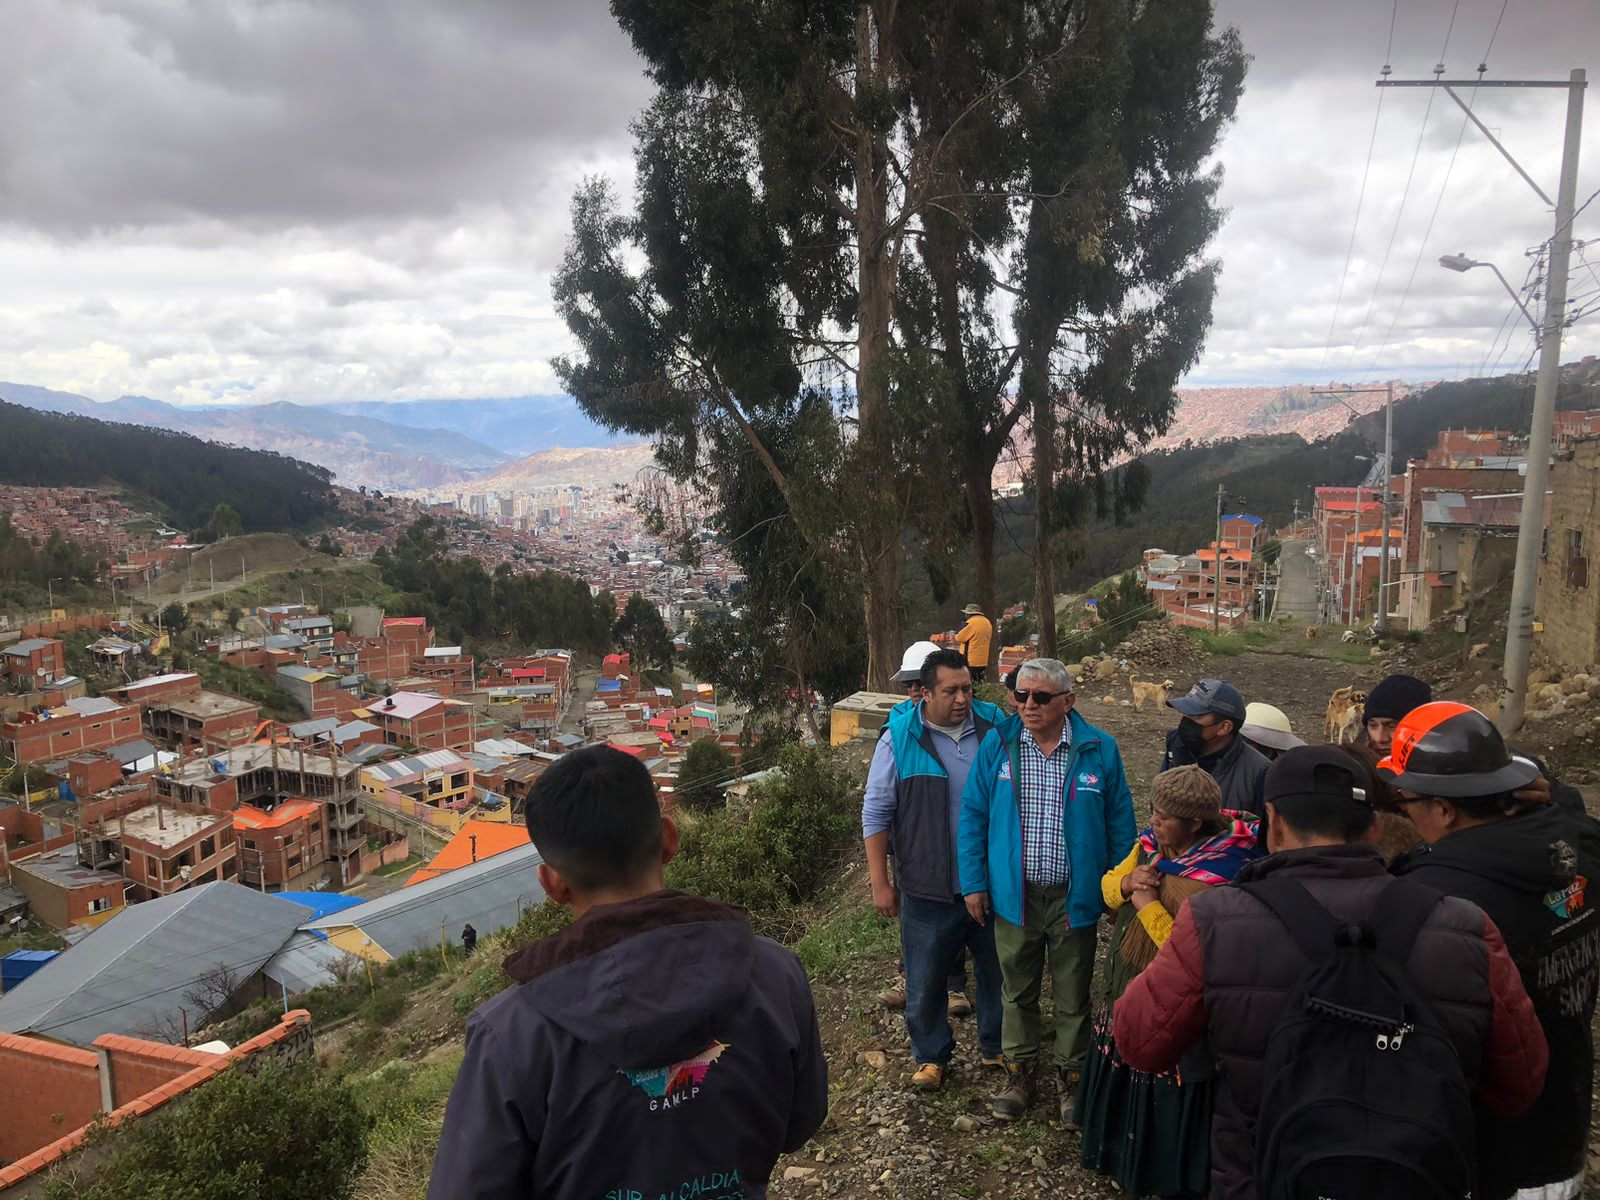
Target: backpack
x=1363, y=1096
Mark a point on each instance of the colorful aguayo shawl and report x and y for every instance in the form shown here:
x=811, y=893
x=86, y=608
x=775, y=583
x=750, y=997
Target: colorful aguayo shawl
x=1213, y=861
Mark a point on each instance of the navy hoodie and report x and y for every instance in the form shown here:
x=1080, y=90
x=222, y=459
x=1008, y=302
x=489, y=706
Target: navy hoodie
x=655, y=1048
x=1538, y=877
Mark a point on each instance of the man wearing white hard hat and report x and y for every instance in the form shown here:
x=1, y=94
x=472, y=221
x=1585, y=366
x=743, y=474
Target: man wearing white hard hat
x=1267, y=729
x=909, y=676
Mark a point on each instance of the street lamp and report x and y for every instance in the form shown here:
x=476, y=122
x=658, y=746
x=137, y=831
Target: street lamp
x=1463, y=264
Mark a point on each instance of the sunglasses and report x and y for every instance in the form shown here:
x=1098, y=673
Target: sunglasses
x=1038, y=697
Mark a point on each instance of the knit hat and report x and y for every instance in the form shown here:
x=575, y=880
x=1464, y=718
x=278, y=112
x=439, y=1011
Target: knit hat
x=1187, y=793
x=1395, y=696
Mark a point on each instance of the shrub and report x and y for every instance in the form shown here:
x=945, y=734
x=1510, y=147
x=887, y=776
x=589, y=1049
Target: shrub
x=707, y=769
x=385, y=1007
x=282, y=1134
x=777, y=853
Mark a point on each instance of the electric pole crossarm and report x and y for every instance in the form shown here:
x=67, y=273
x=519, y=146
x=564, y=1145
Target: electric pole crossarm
x=1504, y=153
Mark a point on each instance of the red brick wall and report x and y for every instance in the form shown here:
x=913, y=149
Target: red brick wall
x=46, y=1091
x=139, y=1066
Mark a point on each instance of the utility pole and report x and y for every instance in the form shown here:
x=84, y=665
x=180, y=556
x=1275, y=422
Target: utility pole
x=1354, y=575
x=1216, y=591
x=1530, y=533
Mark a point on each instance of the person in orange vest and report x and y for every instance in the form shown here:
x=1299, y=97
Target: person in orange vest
x=975, y=639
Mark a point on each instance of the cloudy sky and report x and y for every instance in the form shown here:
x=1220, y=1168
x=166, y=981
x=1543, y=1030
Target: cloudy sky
x=319, y=200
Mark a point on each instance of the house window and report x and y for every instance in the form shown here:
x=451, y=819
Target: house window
x=1577, y=563
x=208, y=847
x=100, y=905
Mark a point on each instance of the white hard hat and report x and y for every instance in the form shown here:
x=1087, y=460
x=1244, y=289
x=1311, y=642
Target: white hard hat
x=911, y=662
x=1267, y=725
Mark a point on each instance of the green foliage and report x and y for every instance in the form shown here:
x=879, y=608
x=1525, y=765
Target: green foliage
x=185, y=476
x=643, y=634
x=174, y=618
x=1124, y=607
x=707, y=769
x=385, y=1007
x=405, y=1102
x=1017, y=630
x=770, y=857
x=329, y=547
x=851, y=933
x=280, y=1134
x=58, y=563
x=1232, y=642
x=252, y=685
x=224, y=523
x=464, y=601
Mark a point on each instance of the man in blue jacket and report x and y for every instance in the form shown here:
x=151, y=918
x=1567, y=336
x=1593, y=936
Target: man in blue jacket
x=912, y=806
x=1045, y=813
x=655, y=1047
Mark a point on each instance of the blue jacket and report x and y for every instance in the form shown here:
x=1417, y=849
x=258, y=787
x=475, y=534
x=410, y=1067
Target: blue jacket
x=922, y=835
x=1097, y=819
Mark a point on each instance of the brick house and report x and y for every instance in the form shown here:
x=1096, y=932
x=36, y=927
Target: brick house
x=158, y=687
x=159, y=848
x=421, y=720
x=1569, y=593
x=34, y=661
x=63, y=893
x=91, y=723
x=199, y=720
x=282, y=847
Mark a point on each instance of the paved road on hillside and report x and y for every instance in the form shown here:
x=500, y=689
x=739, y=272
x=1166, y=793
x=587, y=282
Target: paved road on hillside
x=1297, y=586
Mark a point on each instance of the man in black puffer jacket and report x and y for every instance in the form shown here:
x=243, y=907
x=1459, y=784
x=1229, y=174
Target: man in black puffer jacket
x=1530, y=870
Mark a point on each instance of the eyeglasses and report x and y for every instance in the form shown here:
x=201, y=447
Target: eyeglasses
x=1038, y=697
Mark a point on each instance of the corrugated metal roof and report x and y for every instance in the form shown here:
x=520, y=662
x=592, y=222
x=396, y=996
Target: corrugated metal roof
x=307, y=961
x=311, y=728
x=489, y=894
x=27, y=646
x=130, y=975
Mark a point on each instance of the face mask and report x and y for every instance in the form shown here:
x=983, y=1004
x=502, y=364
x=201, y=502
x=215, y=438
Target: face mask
x=1193, y=736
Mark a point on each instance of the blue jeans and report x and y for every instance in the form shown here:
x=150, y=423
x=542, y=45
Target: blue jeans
x=931, y=933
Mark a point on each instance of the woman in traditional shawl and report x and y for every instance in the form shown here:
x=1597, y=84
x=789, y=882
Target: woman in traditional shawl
x=1152, y=1132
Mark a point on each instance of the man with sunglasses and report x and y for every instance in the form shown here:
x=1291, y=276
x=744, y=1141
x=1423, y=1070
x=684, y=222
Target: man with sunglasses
x=1046, y=811
x=1208, y=736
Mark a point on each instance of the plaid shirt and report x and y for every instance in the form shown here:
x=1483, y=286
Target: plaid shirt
x=1041, y=795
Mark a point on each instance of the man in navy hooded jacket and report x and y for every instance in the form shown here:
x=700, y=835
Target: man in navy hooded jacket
x=654, y=1047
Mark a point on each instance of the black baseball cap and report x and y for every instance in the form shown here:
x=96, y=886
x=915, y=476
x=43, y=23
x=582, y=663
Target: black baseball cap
x=1211, y=696
x=1317, y=773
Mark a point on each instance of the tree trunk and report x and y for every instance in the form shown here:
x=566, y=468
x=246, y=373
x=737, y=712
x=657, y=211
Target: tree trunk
x=977, y=478
x=878, y=527
x=1036, y=387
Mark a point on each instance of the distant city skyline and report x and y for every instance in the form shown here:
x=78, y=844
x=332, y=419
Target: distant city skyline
x=331, y=203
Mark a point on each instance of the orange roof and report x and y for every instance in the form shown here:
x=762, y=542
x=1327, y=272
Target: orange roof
x=247, y=816
x=1229, y=553
x=493, y=837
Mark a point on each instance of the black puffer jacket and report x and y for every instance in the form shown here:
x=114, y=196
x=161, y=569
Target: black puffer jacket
x=1229, y=966
x=1536, y=876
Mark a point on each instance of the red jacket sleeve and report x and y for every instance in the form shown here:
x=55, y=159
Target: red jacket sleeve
x=1163, y=1012
x=1516, y=1055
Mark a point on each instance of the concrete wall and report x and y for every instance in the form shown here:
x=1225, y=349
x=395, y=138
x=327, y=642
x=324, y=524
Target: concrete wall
x=1572, y=610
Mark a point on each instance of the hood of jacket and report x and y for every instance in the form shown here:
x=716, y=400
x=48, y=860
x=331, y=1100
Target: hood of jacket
x=1534, y=852
x=645, y=981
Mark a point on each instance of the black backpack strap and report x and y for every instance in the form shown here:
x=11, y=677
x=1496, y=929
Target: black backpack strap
x=1312, y=926
x=1403, y=908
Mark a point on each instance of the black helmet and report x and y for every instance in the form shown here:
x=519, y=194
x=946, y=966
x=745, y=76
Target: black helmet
x=1452, y=750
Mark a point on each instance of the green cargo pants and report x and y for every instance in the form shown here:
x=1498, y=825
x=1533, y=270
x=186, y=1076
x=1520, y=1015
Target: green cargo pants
x=1022, y=950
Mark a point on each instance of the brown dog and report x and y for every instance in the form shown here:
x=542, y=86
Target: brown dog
x=1343, y=720
x=1144, y=689
x=1311, y=632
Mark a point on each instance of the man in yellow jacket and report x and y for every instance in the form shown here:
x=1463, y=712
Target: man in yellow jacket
x=974, y=639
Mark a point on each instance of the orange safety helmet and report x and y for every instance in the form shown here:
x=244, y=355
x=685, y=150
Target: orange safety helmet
x=1452, y=750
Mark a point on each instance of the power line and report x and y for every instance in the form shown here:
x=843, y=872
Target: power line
x=1361, y=195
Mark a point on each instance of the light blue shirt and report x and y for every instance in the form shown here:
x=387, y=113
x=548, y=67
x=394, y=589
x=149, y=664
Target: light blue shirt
x=880, y=798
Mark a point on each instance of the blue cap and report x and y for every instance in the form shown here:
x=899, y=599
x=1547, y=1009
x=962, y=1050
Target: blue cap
x=1211, y=696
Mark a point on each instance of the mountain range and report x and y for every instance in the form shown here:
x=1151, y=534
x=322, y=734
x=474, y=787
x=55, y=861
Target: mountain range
x=390, y=446
x=523, y=442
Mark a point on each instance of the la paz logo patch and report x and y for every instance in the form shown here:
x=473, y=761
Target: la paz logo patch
x=677, y=1083
x=1569, y=901
x=1089, y=779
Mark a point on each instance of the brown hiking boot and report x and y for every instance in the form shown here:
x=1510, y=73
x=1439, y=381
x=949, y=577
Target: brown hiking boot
x=957, y=1005
x=1018, y=1095
x=893, y=997
x=1067, y=1098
